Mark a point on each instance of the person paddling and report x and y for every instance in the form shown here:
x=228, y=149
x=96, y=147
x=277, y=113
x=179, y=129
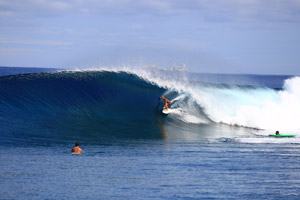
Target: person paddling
x=167, y=101
x=77, y=149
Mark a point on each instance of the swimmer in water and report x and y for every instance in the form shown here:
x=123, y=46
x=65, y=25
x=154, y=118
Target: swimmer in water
x=76, y=149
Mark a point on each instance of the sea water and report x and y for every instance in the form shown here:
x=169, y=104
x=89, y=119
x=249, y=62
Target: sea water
x=211, y=147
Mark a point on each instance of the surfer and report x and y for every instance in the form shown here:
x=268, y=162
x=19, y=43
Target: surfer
x=277, y=133
x=167, y=101
x=76, y=149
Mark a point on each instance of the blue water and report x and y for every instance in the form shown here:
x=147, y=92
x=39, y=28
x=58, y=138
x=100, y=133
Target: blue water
x=132, y=150
x=5, y=71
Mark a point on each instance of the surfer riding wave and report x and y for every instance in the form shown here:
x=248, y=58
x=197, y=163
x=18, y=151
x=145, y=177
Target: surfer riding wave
x=167, y=101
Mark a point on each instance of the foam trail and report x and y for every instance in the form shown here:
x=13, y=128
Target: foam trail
x=269, y=140
x=180, y=97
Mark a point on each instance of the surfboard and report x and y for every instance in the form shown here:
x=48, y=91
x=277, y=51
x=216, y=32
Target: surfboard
x=75, y=153
x=166, y=111
x=282, y=135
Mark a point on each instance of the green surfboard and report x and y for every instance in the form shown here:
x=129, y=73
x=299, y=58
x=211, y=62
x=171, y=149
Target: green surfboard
x=282, y=135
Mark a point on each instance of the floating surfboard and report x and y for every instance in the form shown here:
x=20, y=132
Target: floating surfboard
x=282, y=135
x=165, y=111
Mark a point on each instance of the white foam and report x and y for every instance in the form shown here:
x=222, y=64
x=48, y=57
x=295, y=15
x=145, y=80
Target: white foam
x=262, y=108
x=272, y=110
x=186, y=116
x=269, y=140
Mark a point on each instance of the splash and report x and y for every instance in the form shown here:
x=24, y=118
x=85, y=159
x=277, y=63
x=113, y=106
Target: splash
x=264, y=108
x=248, y=106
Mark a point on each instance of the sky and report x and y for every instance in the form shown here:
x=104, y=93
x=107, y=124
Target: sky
x=208, y=36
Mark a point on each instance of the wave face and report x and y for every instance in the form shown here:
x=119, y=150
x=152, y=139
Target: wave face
x=78, y=104
x=95, y=105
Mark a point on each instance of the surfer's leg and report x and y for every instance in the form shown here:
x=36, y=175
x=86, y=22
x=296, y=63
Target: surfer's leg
x=166, y=106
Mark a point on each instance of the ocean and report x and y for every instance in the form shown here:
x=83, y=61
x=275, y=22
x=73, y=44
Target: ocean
x=214, y=143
